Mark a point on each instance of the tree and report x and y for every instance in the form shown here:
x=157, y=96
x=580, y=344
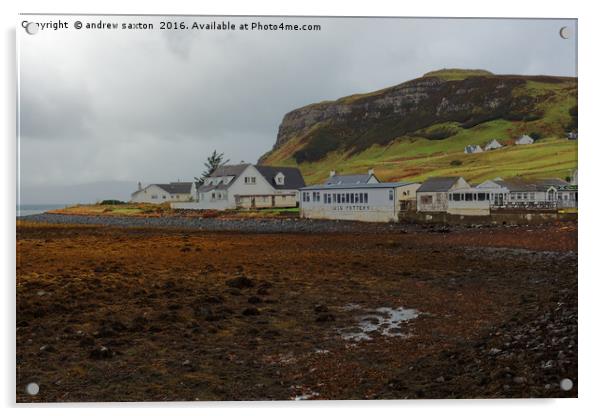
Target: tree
x=213, y=162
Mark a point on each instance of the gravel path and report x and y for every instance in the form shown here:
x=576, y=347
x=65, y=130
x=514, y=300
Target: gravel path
x=253, y=225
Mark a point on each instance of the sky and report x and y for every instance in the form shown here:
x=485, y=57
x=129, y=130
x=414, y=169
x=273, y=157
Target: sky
x=104, y=109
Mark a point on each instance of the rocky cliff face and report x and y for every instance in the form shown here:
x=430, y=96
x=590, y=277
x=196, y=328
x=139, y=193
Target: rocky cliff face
x=357, y=122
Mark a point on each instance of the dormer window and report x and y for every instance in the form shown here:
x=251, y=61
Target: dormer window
x=279, y=178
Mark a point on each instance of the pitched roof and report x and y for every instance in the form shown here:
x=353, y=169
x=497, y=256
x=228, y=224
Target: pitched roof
x=292, y=176
x=221, y=171
x=176, y=187
x=522, y=185
x=493, y=143
x=438, y=184
x=348, y=179
x=357, y=186
x=230, y=170
x=525, y=138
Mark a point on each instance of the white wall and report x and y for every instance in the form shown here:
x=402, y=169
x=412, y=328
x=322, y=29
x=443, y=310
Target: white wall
x=152, y=194
x=239, y=187
x=378, y=208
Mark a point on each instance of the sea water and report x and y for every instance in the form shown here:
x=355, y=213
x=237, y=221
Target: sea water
x=31, y=209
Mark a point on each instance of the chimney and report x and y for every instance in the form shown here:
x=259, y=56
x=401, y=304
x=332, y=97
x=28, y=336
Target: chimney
x=333, y=173
x=139, y=186
x=370, y=171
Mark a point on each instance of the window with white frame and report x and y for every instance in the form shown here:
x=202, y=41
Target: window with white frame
x=279, y=178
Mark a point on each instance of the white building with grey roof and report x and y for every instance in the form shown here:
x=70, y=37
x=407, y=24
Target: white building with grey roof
x=370, y=202
x=158, y=193
x=247, y=186
x=432, y=195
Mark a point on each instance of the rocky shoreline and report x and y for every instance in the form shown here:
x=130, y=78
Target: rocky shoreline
x=253, y=225
x=267, y=225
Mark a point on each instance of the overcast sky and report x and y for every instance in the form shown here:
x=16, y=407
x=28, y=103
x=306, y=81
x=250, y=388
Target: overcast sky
x=99, y=106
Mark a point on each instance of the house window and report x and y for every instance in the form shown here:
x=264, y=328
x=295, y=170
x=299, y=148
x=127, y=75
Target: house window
x=426, y=199
x=279, y=179
x=532, y=196
x=456, y=197
x=361, y=198
x=468, y=197
x=164, y=196
x=366, y=198
x=154, y=197
x=250, y=180
x=481, y=197
x=390, y=194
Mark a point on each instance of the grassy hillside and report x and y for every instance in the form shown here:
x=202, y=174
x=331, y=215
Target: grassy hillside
x=544, y=107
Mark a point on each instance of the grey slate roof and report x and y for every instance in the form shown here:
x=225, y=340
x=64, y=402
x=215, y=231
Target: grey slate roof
x=292, y=176
x=521, y=185
x=230, y=170
x=438, y=184
x=347, y=179
x=176, y=187
x=356, y=186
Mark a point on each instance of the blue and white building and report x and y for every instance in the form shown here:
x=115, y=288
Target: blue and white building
x=370, y=202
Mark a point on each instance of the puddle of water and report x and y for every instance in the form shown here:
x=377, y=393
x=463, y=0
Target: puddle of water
x=384, y=321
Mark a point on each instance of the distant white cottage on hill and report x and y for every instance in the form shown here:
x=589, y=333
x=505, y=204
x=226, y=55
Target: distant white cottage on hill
x=524, y=139
x=473, y=149
x=158, y=193
x=247, y=186
x=492, y=145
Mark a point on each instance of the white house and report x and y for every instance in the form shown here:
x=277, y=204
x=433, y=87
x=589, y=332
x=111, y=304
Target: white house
x=247, y=186
x=158, y=193
x=473, y=149
x=336, y=179
x=515, y=194
x=524, y=139
x=492, y=145
x=432, y=194
x=370, y=202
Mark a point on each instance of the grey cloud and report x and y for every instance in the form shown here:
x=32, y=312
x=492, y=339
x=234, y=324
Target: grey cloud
x=151, y=105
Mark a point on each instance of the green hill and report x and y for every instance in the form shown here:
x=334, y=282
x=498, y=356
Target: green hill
x=420, y=128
